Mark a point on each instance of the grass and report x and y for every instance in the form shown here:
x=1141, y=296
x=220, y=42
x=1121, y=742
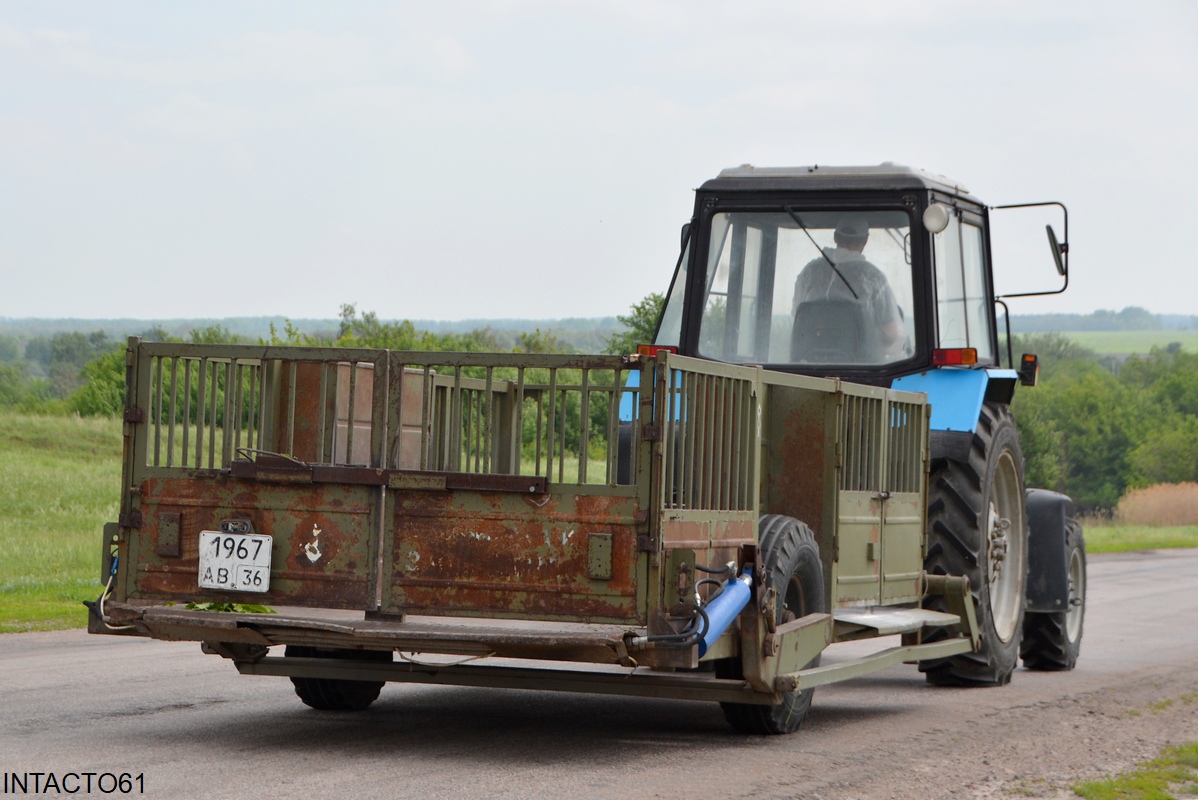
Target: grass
x=1105, y=537
x=1174, y=772
x=1157, y=517
x=59, y=484
x=1122, y=342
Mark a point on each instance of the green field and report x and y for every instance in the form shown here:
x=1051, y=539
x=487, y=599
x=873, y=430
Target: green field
x=59, y=484
x=1106, y=538
x=1122, y=342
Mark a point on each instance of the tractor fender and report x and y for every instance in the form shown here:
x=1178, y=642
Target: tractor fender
x=956, y=396
x=1048, y=566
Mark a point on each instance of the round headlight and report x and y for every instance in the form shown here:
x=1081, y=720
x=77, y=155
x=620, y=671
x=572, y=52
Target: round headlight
x=936, y=217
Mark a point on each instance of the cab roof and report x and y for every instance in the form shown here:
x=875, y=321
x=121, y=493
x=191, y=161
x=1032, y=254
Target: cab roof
x=887, y=175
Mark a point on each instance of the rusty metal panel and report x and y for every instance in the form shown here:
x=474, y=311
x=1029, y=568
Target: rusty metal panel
x=169, y=523
x=799, y=465
x=509, y=555
x=714, y=537
x=323, y=540
x=599, y=556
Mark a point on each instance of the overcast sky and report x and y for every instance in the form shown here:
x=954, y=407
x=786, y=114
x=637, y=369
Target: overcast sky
x=535, y=159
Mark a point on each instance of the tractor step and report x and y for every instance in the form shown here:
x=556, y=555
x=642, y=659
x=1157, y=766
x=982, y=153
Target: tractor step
x=887, y=620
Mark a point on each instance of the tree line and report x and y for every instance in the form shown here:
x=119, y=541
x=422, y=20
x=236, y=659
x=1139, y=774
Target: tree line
x=1093, y=429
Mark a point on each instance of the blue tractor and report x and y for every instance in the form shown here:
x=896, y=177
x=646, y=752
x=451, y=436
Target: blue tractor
x=883, y=276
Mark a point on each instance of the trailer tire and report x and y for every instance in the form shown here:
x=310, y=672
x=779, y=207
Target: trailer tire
x=790, y=559
x=1052, y=641
x=336, y=694
x=977, y=527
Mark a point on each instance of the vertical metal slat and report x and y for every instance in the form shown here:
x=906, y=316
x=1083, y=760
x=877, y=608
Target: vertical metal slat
x=550, y=423
x=350, y=413
x=291, y=389
x=584, y=427
x=186, y=409
x=170, y=427
x=156, y=408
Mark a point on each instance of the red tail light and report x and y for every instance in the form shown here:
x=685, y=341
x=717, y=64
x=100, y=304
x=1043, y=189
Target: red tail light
x=955, y=357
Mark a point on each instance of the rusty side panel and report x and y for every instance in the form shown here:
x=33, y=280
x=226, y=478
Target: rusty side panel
x=799, y=463
x=508, y=555
x=715, y=541
x=339, y=519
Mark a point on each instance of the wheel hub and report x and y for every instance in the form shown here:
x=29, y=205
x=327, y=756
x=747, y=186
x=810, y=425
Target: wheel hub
x=1000, y=529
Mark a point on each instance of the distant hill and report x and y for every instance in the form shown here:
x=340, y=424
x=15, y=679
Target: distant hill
x=1131, y=318
x=253, y=327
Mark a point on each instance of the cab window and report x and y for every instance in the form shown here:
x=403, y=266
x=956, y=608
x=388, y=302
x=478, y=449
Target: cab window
x=962, y=302
x=809, y=288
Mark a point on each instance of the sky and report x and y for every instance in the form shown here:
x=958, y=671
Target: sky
x=536, y=159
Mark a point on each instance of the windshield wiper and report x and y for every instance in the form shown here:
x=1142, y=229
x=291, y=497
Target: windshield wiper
x=803, y=228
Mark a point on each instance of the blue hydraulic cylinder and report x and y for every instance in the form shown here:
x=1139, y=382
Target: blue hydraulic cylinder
x=726, y=607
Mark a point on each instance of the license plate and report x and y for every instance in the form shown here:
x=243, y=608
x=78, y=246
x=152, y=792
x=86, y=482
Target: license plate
x=235, y=562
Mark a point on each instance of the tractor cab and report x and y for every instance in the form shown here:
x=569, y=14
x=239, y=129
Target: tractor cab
x=863, y=273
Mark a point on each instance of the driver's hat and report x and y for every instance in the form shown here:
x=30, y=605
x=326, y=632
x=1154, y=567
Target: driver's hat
x=854, y=228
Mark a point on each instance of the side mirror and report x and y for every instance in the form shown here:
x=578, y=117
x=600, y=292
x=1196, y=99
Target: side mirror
x=686, y=234
x=1060, y=252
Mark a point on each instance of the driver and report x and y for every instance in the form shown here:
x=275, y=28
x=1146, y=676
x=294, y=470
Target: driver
x=843, y=273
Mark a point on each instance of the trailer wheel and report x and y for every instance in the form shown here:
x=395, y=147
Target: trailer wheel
x=977, y=527
x=1053, y=641
x=790, y=557
x=336, y=694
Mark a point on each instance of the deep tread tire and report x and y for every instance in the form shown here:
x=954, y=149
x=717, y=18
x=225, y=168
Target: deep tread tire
x=965, y=500
x=790, y=558
x=1053, y=641
x=335, y=694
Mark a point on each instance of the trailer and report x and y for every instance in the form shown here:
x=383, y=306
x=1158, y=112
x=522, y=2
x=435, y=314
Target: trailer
x=701, y=520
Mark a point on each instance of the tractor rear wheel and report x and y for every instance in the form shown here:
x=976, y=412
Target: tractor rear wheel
x=1052, y=641
x=790, y=559
x=977, y=527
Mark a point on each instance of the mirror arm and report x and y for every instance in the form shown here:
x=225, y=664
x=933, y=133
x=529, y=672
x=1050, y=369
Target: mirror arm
x=1064, y=248
x=1038, y=294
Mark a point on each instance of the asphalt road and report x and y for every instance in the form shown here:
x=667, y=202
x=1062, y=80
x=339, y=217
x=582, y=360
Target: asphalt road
x=192, y=727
